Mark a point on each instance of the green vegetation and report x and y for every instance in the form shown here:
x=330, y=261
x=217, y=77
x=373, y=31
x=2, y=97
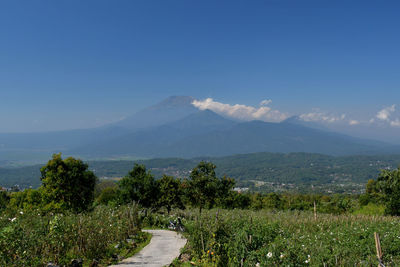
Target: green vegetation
x=67, y=184
x=170, y=193
x=288, y=238
x=262, y=172
x=30, y=238
x=140, y=186
x=70, y=218
x=203, y=188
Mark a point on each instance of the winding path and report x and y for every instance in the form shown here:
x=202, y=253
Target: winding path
x=163, y=248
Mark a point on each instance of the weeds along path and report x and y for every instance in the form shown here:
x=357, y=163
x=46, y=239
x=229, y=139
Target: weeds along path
x=163, y=248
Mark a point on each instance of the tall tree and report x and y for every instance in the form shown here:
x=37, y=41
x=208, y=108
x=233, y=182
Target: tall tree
x=140, y=186
x=67, y=184
x=202, y=185
x=4, y=199
x=170, y=195
x=389, y=184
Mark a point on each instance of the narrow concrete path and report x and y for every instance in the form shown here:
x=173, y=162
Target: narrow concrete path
x=163, y=248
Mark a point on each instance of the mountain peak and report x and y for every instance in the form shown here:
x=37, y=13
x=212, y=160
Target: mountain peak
x=175, y=102
x=293, y=119
x=171, y=109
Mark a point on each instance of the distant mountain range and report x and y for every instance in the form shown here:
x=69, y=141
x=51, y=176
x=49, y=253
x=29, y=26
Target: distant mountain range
x=175, y=128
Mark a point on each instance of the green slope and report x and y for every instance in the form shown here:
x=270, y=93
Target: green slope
x=259, y=171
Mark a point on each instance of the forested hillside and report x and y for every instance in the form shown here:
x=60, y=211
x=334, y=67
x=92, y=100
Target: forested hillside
x=258, y=171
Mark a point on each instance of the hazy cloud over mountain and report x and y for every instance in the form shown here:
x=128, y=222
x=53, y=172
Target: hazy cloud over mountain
x=320, y=116
x=354, y=122
x=242, y=112
x=384, y=116
x=385, y=113
x=264, y=112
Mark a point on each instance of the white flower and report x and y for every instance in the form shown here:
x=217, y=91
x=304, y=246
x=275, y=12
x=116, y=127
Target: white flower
x=281, y=256
x=269, y=255
x=308, y=260
x=13, y=219
x=257, y=264
x=21, y=212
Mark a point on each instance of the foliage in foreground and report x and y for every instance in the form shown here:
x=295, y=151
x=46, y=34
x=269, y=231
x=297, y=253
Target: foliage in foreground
x=67, y=184
x=33, y=239
x=291, y=238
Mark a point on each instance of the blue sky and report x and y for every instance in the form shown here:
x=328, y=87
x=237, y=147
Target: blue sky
x=72, y=64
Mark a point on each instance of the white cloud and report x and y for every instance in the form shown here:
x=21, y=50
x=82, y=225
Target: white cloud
x=322, y=117
x=354, y=122
x=383, y=117
x=266, y=102
x=242, y=112
x=385, y=113
x=395, y=123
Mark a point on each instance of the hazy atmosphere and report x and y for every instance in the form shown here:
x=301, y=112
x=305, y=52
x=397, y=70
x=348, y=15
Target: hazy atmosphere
x=73, y=64
x=205, y=133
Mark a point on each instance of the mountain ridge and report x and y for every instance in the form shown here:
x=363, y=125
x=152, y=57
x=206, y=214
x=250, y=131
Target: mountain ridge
x=174, y=127
x=206, y=133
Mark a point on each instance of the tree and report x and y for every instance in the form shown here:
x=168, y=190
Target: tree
x=273, y=201
x=67, y=184
x=139, y=185
x=236, y=200
x=225, y=187
x=372, y=194
x=4, y=199
x=203, y=187
x=109, y=195
x=27, y=199
x=170, y=193
x=389, y=184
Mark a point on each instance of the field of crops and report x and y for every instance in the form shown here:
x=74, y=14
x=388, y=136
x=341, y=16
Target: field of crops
x=28, y=238
x=289, y=238
x=216, y=238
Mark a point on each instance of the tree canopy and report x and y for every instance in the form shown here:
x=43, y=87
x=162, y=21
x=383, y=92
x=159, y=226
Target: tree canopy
x=67, y=184
x=203, y=188
x=170, y=193
x=140, y=186
x=389, y=184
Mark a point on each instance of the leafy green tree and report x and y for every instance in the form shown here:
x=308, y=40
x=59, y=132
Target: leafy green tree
x=257, y=201
x=102, y=185
x=4, y=199
x=273, y=201
x=170, y=193
x=109, y=195
x=27, y=199
x=67, y=184
x=389, y=184
x=140, y=186
x=236, y=200
x=203, y=188
x=225, y=187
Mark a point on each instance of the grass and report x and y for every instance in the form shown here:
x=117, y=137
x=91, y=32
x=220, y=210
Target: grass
x=370, y=209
